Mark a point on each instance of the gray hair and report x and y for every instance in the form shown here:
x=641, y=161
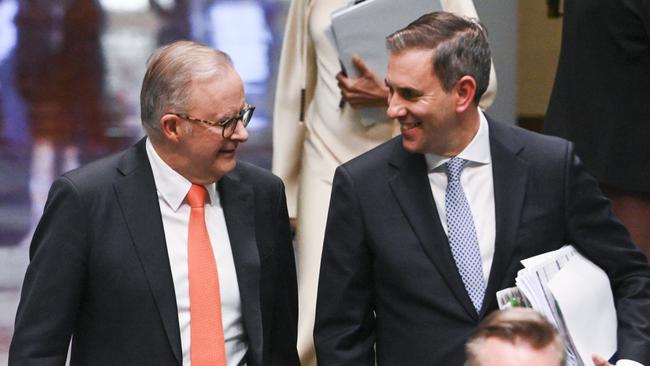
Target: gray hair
x=167, y=81
x=460, y=47
x=515, y=325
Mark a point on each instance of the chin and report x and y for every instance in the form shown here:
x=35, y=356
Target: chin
x=411, y=146
x=225, y=167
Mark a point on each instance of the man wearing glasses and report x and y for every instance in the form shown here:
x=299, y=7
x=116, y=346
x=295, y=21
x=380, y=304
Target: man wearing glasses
x=170, y=252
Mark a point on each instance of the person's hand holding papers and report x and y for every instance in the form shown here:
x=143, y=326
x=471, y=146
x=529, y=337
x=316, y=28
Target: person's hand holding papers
x=365, y=91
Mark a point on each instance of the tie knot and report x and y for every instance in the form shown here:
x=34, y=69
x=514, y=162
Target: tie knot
x=454, y=168
x=196, y=196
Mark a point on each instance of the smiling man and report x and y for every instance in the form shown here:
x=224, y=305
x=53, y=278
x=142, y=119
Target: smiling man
x=171, y=252
x=423, y=230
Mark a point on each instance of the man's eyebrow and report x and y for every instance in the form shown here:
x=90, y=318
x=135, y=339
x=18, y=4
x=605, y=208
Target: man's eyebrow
x=402, y=88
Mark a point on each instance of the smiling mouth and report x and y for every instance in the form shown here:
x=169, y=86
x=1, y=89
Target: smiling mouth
x=407, y=126
x=227, y=151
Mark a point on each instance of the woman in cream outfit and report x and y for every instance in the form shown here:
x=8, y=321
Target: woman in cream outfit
x=312, y=135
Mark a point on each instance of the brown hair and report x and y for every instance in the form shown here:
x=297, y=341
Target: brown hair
x=460, y=47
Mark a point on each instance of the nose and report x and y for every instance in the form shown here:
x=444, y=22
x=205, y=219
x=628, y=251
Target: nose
x=240, y=134
x=395, y=108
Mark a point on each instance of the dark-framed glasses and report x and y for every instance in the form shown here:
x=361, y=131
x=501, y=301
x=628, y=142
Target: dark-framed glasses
x=229, y=125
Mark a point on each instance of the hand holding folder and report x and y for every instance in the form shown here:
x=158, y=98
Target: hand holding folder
x=365, y=91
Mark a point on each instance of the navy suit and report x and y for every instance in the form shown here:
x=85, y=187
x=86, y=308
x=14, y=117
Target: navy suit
x=100, y=272
x=388, y=276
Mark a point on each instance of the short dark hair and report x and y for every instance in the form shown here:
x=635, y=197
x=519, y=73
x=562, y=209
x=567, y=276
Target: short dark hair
x=515, y=325
x=460, y=47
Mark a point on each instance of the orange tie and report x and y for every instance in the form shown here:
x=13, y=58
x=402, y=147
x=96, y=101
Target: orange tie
x=207, y=345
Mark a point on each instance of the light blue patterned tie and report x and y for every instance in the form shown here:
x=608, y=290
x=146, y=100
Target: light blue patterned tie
x=462, y=234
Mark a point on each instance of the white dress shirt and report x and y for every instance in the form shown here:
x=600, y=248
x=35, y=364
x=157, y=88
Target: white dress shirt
x=477, y=183
x=172, y=189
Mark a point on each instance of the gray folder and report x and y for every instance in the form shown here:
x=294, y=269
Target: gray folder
x=362, y=29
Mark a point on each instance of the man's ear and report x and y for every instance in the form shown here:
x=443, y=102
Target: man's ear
x=170, y=126
x=465, y=89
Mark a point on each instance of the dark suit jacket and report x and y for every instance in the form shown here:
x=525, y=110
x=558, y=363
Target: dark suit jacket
x=100, y=272
x=388, y=275
x=601, y=95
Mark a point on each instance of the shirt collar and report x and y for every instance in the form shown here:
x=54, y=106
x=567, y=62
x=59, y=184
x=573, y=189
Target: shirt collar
x=477, y=151
x=172, y=186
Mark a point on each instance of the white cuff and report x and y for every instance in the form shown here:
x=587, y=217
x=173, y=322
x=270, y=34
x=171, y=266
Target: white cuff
x=628, y=363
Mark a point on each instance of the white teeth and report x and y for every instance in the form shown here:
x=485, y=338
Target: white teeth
x=408, y=126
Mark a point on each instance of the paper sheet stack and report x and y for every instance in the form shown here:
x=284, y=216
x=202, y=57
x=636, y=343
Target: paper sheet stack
x=574, y=295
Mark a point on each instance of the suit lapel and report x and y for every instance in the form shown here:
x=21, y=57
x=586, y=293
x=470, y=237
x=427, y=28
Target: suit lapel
x=239, y=209
x=410, y=185
x=136, y=193
x=510, y=174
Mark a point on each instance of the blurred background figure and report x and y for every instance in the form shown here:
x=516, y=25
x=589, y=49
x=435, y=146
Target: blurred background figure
x=313, y=133
x=175, y=19
x=516, y=336
x=59, y=73
x=600, y=101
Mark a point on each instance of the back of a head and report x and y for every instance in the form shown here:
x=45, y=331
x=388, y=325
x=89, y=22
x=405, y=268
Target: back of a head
x=522, y=331
x=460, y=47
x=170, y=72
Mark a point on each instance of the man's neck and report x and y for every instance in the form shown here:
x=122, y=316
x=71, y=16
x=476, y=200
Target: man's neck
x=467, y=126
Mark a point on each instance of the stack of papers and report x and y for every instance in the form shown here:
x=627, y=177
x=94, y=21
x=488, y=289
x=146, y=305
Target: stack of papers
x=574, y=295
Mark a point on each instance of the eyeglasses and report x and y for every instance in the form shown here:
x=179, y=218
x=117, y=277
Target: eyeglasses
x=228, y=126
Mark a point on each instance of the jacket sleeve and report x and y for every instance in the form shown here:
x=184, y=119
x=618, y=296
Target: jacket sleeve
x=605, y=241
x=294, y=88
x=54, y=281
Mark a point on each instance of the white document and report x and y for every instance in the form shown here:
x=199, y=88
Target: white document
x=362, y=29
x=547, y=257
x=583, y=294
x=533, y=278
x=575, y=296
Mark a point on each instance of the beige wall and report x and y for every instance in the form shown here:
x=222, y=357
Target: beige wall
x=538, y=47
